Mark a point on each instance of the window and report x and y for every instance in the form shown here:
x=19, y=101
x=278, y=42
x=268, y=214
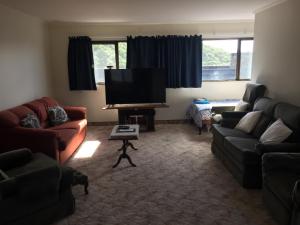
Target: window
x=246, y=59
x=223, y=59
x=227, y=59
x=108, y=53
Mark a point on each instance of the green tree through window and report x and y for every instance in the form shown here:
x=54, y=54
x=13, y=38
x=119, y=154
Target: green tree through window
x=104, y=55
x=112, y=53
x=122, y=55
x=227, y=59
x=213, y=56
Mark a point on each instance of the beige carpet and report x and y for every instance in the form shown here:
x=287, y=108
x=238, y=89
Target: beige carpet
x=177, y=181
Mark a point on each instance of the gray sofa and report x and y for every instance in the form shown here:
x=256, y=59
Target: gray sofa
x=242, y=153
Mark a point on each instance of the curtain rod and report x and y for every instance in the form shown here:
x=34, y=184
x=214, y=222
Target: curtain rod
x=206, y=35
x=103, y=38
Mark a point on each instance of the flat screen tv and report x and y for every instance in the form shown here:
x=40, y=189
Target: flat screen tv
x=129, y=86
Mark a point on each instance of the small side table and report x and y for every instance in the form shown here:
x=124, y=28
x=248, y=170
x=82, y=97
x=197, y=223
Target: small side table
x=207, y=124
x=125, y=136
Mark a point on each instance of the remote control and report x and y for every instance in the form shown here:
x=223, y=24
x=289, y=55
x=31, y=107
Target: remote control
x=123, y=127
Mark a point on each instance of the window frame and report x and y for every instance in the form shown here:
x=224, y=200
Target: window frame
x=238, y=56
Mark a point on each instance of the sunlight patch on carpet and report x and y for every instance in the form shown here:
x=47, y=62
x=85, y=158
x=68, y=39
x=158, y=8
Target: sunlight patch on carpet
x=87, y=149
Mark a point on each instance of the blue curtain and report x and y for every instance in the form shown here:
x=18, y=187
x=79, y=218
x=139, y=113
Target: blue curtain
x=181, y=56
x=81, y=64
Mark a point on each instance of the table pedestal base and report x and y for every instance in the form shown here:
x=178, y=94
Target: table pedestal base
x=126, y=144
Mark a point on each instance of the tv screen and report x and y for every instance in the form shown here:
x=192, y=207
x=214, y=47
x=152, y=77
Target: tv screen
x=128, y=86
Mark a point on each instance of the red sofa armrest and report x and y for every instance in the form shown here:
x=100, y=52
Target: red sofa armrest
x=37, y=140
x=75, y=113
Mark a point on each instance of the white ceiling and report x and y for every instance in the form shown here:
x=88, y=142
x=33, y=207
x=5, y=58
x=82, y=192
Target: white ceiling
x=140, y=11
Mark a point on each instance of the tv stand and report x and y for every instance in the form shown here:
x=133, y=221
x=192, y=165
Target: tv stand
x=142, y=114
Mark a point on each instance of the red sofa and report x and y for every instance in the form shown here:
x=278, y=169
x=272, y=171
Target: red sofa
x=58, y=142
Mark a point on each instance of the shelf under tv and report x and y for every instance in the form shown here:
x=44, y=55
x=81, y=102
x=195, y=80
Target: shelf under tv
x=142, y=114
x=136, y=106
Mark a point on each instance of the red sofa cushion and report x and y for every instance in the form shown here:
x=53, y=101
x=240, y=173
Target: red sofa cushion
x=21, y=111
x=8, y=119
x=78, y=125
x=39, y=109
x=48, y=102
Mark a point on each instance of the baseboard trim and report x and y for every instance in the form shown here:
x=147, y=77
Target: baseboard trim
x=171, y=121
x=108, y=123
x=112, y=123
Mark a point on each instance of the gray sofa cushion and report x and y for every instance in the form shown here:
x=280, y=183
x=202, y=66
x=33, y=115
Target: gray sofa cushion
x=290, y=115
x=267, y=106
x=261, y=126
x=242, y=149
x=221, y=132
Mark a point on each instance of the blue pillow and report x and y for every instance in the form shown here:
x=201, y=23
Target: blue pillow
x=201, y=101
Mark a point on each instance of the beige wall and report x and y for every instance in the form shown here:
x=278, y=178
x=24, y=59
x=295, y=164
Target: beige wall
x=23, y=62
x=178, y=99
x=276, y=60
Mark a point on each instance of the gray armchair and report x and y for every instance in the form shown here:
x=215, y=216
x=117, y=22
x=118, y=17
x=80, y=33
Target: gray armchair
x=34, y=189
x=252, y=93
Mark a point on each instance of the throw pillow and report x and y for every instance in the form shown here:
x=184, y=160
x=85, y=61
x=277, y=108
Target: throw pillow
x=241, y=106
x=249, y=121
x=201, y=101
x=276, y=133
x=57, y=115
x=30, y=121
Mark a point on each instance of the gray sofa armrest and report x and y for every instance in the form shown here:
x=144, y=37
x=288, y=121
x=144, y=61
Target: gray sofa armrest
x=233, y=115
x=281, y=162
x=14, y=158
x=282, y=147
x=7, y=187
x=229, y=123
x=231, y=119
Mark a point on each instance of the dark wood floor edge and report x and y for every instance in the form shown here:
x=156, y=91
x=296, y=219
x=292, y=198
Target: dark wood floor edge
x=112, y=123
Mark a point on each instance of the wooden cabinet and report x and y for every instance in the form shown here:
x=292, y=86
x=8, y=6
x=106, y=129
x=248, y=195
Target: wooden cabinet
x=143, y=117
x=142, y=114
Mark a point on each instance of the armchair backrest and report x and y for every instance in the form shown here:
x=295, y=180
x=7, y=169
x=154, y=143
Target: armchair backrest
x=15, y=158
x=253, y=92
